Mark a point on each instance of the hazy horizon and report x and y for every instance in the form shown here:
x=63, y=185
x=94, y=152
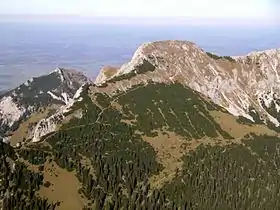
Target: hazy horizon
x=186, y=21
x=32, y=49
x=40, y=35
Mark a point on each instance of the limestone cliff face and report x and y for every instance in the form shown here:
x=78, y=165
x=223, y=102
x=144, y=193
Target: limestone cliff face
x=243, y=85
x=49, y=124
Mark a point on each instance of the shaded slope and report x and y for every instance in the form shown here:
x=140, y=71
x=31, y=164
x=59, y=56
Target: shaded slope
x=173, y=108
x=18, y=184
x=231, y=177
x=37, y=95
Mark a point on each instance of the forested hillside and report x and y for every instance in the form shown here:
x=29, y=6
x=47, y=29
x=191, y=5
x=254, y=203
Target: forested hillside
x=155, y=146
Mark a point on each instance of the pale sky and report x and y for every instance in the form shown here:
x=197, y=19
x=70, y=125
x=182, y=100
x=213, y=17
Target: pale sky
x=145, y=8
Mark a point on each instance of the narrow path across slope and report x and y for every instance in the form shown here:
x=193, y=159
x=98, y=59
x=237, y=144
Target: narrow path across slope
x=97, y=120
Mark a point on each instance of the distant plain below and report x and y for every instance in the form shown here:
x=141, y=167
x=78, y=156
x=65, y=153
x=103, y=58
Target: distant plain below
x=32, y=49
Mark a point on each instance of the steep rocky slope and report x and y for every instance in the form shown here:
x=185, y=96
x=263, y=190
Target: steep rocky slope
x=246, y=86
x=36, y=95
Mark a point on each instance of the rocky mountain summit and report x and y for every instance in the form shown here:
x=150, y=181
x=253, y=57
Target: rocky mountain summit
x=36, y=95
x=246, y=86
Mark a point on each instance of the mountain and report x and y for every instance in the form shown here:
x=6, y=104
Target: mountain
x=175, y=128
x=37, y=98
x=246, y=86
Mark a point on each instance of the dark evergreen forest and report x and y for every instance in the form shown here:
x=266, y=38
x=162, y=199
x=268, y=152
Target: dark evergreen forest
x=232, y=176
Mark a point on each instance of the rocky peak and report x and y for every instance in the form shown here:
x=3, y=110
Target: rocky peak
x=235, y=83
x=260, y=55
x=56, y=88
x=71, y=77
x=156, y=53
x=265, y=64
